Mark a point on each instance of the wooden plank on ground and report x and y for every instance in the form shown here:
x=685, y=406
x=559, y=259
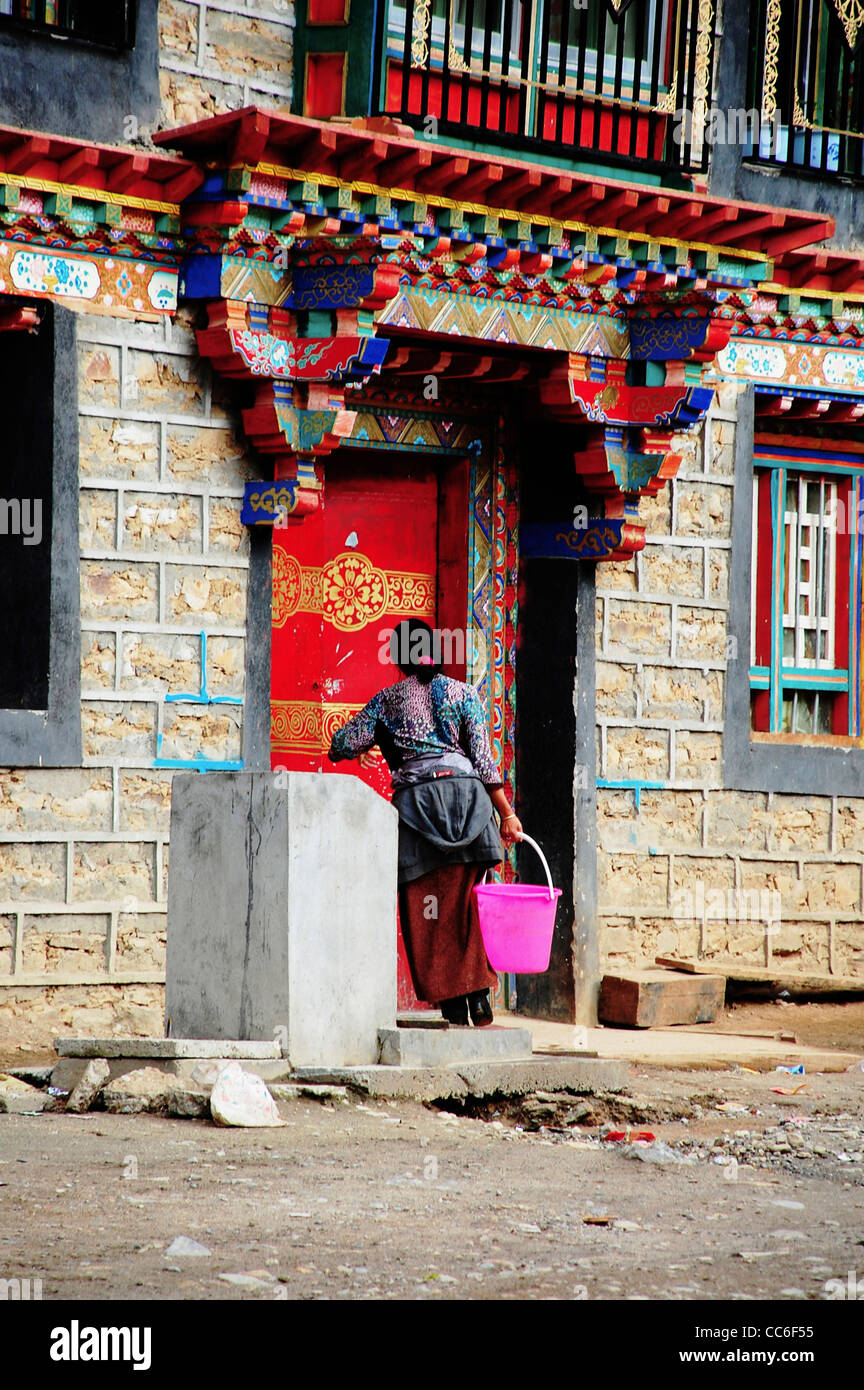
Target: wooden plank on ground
x=660, y=999
x=760, y=974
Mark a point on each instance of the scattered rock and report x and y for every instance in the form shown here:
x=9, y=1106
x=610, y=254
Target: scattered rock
x=95, y=1075
x=656, y=1152
x=185, y=1245
x=146, y=1090
x=34, y=1076
x=204, y=1074
x=250, y=1281
x=189, y=1103
x=239, y=1098
x=307, y=1090
x=19, y=1098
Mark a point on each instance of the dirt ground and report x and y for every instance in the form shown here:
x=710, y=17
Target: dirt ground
x=838, y=1023
x=372, y=1199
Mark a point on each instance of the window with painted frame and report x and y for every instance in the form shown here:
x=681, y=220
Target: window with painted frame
x=103, y=23
x=40, y=618
x=603, y=74
x=806, y=597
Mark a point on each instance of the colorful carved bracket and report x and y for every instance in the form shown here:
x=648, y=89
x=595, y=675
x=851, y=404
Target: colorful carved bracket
x=299, y=413
x=243, y=340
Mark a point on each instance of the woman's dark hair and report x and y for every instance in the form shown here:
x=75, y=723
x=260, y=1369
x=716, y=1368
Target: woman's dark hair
x=416, y=649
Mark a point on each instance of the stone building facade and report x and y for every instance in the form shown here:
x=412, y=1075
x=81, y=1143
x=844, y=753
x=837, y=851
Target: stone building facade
x=697, y=850
x=164, y=565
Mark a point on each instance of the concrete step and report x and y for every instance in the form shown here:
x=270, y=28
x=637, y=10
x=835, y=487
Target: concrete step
x=440, y=1047
x=580, y=1076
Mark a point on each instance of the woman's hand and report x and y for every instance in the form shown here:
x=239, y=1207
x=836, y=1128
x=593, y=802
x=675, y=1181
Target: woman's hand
x=371, y=758
x=511, y=829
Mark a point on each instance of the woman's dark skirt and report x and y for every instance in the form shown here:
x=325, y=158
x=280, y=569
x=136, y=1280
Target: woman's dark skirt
x=448, y=837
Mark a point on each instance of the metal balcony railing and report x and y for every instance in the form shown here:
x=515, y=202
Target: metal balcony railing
x=104, y=23
x=807, y=85
x=626, y=80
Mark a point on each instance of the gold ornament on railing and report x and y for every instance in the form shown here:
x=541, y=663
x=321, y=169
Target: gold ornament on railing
x=851, y=15
x=420, y=26
x=772, y=49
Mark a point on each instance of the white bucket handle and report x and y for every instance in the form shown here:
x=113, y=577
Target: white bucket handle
x=534, y=845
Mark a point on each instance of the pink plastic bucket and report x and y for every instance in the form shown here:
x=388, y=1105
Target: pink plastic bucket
x=517, y=921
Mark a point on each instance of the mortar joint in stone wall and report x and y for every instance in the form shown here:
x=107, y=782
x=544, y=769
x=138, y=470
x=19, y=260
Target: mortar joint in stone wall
x=18, y=945
x=158, y=487
x=217, y=559
x=831, y=952
x=70, y=867
x=202, y=36
x=111, y=944
x=89, y=979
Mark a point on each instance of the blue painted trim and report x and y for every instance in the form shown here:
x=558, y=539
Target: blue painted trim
x=778, y=572
x=201, y=277
x=813, y=393
x=799, y=675
x=780, y=458
x=199, y=764
x=203, y=698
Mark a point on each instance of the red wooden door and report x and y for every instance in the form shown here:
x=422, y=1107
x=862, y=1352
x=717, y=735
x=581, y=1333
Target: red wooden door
x=341, y=578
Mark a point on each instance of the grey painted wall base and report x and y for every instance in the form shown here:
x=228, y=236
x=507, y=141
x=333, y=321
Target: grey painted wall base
x=168, y=1048
x=282, y=913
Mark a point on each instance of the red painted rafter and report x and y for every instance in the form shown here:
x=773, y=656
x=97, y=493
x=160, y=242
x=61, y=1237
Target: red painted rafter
x=283, y=139
x=17, y=319
x=97, y=168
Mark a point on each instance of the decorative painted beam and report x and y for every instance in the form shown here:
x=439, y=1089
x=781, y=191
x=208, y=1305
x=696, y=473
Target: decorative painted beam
x=270, y=504
x=600, y=539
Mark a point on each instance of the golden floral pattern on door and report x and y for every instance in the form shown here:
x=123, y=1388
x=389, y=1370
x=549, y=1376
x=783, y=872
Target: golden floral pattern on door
x=349, y=591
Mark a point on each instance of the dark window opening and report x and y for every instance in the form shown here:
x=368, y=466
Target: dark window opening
x=807, y=85
x=106, y=23
x=26, y=467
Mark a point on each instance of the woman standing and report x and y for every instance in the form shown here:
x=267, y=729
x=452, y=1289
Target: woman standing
x=432, y=732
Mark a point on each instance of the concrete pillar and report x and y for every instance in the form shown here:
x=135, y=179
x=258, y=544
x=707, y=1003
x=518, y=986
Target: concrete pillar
x=282, y=913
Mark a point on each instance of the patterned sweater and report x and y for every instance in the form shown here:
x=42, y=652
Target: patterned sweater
x=410, y=720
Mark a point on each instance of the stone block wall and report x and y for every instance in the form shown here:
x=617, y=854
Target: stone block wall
x=687, y=867
x=164, y=566
x=219, y=55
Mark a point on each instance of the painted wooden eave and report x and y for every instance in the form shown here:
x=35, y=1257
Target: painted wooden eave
x=109, y=174
x=394, y=157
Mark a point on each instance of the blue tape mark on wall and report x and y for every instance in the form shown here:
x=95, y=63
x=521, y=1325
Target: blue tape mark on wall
x=199, y=763
x=634, y=785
